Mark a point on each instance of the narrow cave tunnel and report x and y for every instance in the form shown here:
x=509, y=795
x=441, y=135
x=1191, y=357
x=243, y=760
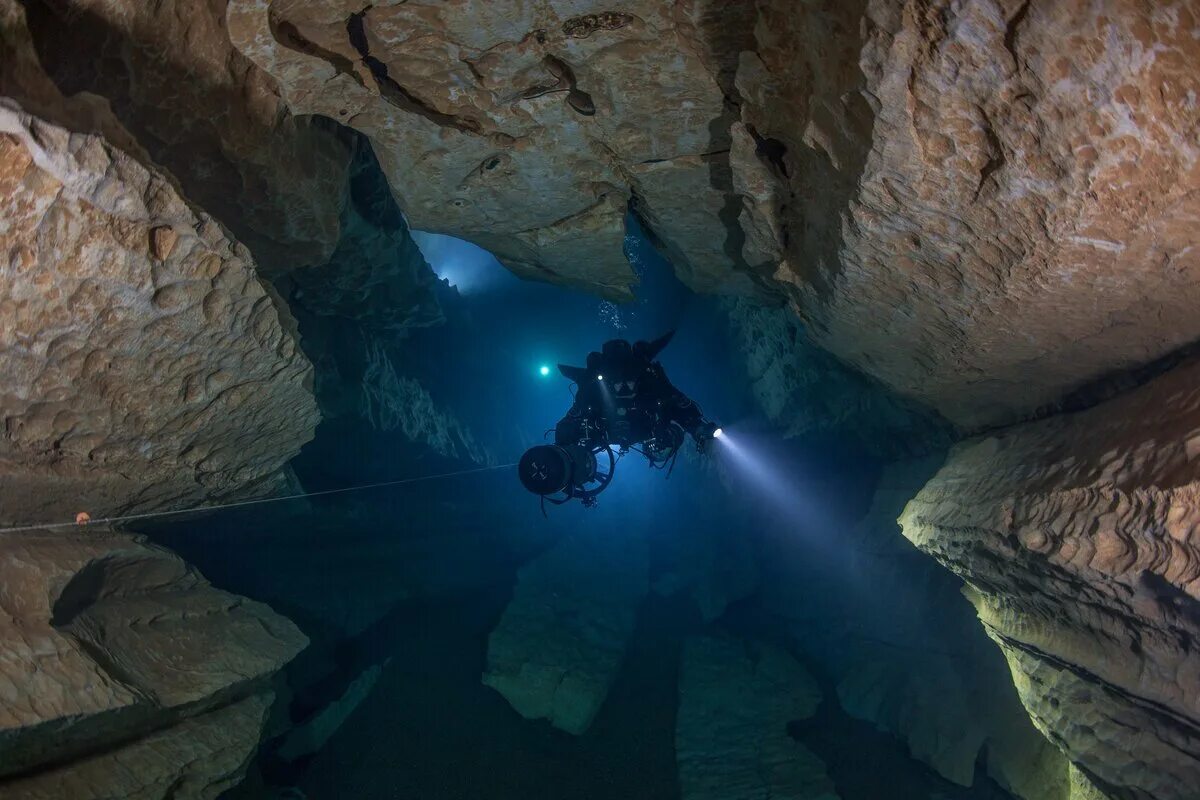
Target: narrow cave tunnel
x=706, y=400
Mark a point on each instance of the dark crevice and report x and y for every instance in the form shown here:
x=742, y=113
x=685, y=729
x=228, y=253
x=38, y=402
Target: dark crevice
x=290, y=37
x=393, y=92
x=772, y=151
x=564, y=81
x=1013, y=30
x=996, y=158
x=672, y=158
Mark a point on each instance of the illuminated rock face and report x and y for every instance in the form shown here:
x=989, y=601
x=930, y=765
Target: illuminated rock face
x=1078, y=538
x=530, y=128
x=983, y=204
x=124, y=673
x=561, y=641
x=145, y=364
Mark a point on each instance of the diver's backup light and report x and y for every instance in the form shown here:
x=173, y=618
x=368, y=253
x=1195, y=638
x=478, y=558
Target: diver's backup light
x=599, y=377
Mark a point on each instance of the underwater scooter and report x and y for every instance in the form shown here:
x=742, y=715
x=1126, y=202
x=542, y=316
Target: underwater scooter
x=623, y=402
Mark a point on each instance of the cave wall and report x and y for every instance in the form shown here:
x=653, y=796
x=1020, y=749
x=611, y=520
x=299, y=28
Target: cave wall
x=1077, y=539
x=1004, y=190
x=146, y=365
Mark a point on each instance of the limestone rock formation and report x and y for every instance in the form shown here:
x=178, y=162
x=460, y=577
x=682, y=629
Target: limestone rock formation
x=206, y=114
x=529, y=129
x=904, y=647
x=311, y=736
x=984, y=204
x=376, y=276
x=736, y=699
x=1077, y=536
x=806, y=392
x=563, y=636
x=124, y=673
x=145, y=365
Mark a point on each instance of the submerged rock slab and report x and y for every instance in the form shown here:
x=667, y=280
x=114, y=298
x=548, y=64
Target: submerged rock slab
x=984, y=204
x=145, y=365
x=1078, y=539
x=563, y=637
x=124, y=673
x=197, y=758
x=736, y=699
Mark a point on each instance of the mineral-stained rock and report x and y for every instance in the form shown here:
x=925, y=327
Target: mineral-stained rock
x=984, y=203
x=736, y=699
x=1078, y=538
x=562, y=638
x=124, y=673
x=529, y=127
x=136, y=375
x=206, y=114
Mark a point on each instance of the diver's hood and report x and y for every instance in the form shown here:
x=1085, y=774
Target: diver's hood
x=645, y=350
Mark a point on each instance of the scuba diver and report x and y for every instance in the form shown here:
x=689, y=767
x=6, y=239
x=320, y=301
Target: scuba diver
x=623, y=399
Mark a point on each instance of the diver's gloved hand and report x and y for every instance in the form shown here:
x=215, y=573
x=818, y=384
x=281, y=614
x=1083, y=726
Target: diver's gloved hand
x=704, y=434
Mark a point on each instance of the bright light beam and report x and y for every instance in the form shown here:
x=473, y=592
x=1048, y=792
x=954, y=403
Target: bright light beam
x=544, y=371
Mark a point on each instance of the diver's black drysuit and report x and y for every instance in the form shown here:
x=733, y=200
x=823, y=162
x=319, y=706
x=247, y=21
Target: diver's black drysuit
x=624, y=398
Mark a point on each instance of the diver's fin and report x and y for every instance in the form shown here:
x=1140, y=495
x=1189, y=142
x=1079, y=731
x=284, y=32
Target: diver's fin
x=577, y=374
x=651, y=349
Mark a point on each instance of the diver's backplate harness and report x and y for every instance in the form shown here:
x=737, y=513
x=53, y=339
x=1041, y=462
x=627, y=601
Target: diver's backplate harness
x=623, y=400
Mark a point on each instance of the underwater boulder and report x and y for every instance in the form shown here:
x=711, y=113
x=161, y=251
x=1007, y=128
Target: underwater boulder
x=125, y=673
x=563, y=636
x=736, y=698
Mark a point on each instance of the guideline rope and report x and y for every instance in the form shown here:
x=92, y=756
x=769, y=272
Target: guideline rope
x=155, y=514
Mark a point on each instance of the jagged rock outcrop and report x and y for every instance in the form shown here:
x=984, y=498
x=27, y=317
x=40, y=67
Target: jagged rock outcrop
x=805, y=392
x=736, y=698
x=1077, y=536
x=124, y=673
x=983, y=204
x=890, y=627
x=207, y=115
x=530, y=128
x=145, y=363
x=562, y=638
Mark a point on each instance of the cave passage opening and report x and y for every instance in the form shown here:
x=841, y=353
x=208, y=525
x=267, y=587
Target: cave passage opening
x=460, y=642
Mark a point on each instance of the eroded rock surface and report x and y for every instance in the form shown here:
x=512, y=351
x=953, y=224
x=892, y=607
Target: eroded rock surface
x=736, y=699
x=563, y=637
x=206, y=114
x=984, y=204
x=124, y=673
x=530, y=128
x=1077, y=536
x=145, y=363
x=904, y=648
x=805, y=392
